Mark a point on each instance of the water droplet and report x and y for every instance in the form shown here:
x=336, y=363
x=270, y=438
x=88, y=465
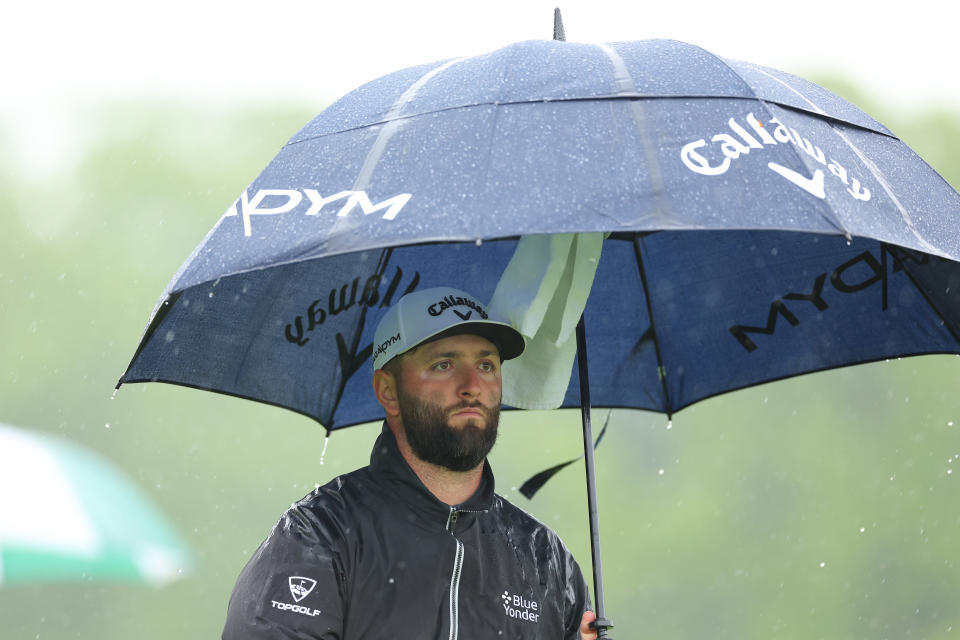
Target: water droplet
x=390, y=580
x=660, y=472
x=862, y=529
x=949, y=471
x=479, y=241
x=823, y=564
x=107, y=425
x=949, y=423
x=669, y=424
x=114, y=394
x=326, y=440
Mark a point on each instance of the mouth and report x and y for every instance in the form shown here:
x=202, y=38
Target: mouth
x=470, y=412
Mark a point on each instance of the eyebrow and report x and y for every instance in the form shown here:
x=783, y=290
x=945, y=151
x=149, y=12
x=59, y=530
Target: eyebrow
x=460, y=354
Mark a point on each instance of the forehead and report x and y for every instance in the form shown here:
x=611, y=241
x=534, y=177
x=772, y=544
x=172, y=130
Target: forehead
x=462, y=345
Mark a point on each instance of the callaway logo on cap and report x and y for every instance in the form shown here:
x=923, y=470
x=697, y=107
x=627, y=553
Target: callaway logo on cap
x=423, y=315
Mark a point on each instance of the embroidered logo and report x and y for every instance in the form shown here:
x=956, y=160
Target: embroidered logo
x=301, y=587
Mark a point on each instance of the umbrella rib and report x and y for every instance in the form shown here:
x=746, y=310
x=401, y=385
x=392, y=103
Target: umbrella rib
x=813, y=105
x=393, y=120
x=888, y=190
x=923, y=294
x=627, y=85
x=874, y=171
x=661, y=370
x=160, y=311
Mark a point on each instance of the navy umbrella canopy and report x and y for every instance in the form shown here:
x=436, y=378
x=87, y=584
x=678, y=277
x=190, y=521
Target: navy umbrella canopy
x=756, y=227
x=759, y=227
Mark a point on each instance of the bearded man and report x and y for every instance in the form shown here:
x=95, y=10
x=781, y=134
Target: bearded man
x=417, y=545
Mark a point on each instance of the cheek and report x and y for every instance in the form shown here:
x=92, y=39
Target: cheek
x=430, y=390
x=494, y=388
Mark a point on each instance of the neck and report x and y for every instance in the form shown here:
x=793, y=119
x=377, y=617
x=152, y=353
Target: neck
x=449, y=487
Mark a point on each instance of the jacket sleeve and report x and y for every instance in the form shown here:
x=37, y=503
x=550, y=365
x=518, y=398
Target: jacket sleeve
x=577, y=597
x=293, y=586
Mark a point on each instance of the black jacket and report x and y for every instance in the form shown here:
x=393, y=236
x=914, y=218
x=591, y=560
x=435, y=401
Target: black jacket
x=374, y=555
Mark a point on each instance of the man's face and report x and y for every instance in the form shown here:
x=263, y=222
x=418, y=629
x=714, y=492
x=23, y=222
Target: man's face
x=449, y=395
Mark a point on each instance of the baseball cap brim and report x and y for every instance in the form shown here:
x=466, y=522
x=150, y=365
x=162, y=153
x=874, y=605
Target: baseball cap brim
x=509, y=342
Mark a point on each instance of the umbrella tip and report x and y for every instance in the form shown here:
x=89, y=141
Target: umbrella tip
x=558, y=33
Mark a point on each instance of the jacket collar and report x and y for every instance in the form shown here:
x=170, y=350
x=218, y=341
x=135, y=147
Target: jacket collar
x=388, y=465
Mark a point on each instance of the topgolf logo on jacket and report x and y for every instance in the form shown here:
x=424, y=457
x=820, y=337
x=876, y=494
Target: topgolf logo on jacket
x=269, y=202
x=300, y=588
x=516, y=606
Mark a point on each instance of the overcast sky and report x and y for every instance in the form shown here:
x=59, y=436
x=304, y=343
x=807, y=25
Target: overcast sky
x=318, y=50
x=59, y=55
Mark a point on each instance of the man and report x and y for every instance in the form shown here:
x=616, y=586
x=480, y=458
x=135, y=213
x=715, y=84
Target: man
x=417, y=545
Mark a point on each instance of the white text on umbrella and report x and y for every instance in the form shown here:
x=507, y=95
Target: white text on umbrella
x=293, y=197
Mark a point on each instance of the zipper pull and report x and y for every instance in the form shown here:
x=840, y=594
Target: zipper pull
x=452, y=519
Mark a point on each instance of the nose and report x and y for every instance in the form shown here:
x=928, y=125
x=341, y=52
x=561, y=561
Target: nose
x=469, y=386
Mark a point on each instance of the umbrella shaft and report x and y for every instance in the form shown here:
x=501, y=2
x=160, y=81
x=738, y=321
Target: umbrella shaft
x=591, y=472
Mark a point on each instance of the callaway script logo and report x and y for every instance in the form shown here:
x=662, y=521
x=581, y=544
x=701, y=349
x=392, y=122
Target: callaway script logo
x=343, y=297
x=449, y=302
x=520, y=608
x=267, y=202
x=300, y=588
x=704, y=159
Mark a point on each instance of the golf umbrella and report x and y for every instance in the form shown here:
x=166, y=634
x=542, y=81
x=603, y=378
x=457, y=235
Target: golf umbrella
x=752, y=226
x=67, y=514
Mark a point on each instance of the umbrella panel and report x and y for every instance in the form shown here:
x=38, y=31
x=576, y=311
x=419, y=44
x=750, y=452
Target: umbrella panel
x=735, y=309
x=673, y=317
x=616, y=165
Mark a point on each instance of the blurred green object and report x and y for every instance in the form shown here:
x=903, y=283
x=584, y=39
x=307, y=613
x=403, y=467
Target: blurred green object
x=66, y=513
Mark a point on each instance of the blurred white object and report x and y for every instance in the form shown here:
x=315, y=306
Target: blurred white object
x=67, y=513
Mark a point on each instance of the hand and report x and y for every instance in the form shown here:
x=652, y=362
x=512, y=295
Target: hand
x=586, y=633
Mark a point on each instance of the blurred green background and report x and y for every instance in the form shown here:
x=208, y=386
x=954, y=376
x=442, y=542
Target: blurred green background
x=819, y=507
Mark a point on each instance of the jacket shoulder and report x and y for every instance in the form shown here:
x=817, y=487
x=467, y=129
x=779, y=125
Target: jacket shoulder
x=527, y=524
x=517, y=516
x=326, y=514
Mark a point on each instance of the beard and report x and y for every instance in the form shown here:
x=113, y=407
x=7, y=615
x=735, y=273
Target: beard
x=433, y=439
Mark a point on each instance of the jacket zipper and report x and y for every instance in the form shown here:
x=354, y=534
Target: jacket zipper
x=455, y=578
x=457, y=566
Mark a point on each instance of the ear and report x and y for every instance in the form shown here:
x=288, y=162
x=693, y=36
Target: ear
x=385, y=389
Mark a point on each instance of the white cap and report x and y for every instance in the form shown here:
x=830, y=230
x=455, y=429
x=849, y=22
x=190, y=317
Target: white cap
x=419, y=316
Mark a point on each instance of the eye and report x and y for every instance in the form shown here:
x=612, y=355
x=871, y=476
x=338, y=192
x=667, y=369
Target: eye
x=443, y=365
x=487, y=366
